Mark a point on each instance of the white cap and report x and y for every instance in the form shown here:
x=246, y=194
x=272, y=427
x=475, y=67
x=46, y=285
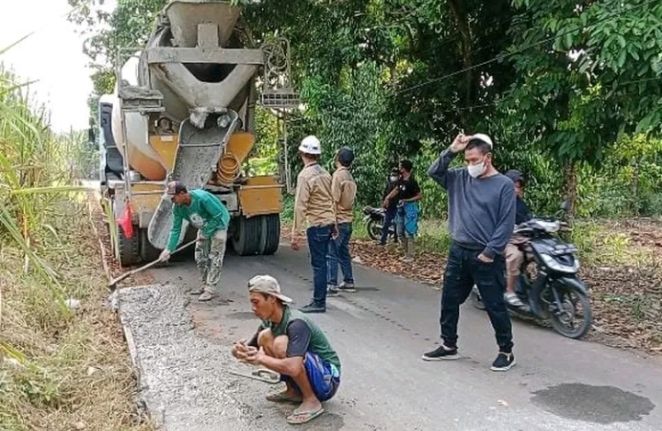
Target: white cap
x=310, y=145
x=483, y=137
x=268, y=285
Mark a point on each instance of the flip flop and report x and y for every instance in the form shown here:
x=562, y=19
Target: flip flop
x=282, y=397
x=297, y=418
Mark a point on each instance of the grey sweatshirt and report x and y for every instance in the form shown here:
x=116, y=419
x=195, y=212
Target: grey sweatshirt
x=481, y=211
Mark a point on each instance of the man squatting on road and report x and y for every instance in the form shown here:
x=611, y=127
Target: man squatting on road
x=481, y=208
x=205, y=212
x=291, y=344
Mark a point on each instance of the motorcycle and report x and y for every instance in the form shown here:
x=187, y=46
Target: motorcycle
x=551, y=289
x=374, y=220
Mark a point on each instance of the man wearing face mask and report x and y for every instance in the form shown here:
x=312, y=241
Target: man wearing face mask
x=392, y=209
x=407, y=194
x=481, y=208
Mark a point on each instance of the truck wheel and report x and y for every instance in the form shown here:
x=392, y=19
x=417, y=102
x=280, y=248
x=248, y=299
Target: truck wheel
x=270, y=233
x=128, y=249
x=246, y=240
x=148, y=252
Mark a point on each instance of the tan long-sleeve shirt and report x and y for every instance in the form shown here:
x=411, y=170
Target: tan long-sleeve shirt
x=343, y=189
x=313, y=203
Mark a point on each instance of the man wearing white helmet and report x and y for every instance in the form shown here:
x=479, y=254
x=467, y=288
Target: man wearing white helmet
x=314, y=207
x=481, y=208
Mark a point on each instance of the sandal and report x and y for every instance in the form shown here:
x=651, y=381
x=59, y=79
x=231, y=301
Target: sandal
x=297, y=418
x=283, y=397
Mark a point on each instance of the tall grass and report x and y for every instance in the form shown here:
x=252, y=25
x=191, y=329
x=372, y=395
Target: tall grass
x=35, y=169
x=50, y=357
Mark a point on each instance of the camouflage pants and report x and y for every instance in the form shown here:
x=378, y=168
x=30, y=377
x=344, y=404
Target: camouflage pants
x=209, y=253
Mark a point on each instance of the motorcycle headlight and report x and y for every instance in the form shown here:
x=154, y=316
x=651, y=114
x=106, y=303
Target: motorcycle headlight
x=557, y=266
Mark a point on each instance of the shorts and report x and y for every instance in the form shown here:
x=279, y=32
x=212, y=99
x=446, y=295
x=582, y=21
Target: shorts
x=514, y=259
x=323, y=376
x=407, y=219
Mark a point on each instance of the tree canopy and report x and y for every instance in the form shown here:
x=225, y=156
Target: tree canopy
x=557, y=83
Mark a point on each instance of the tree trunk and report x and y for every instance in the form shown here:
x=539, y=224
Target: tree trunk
x=636, y=205
x=462, y=22
x=570, y=180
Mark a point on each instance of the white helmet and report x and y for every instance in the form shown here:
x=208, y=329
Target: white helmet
x=310, y=145
x=483, y=137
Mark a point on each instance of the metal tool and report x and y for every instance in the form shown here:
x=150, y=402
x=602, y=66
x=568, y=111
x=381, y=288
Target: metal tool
x=262, y=375
x=112, y=283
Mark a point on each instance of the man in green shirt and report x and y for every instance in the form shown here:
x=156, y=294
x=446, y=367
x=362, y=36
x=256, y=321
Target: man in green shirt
x=206, y=213
x=291, y=344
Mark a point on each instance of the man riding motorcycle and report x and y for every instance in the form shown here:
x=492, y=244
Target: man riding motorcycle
x=553, y=292
x=514, y=253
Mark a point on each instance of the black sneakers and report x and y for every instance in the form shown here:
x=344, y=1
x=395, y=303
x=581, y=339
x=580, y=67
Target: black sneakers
x=503, y=362
x=441, y=353
x=312, y=308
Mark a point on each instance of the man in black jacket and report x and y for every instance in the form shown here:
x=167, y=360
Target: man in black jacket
x=513, y=252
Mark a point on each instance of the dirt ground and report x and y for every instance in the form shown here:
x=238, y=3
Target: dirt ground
x=625, y=279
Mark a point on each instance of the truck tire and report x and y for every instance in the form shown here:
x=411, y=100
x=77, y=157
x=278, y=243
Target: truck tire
x=270, y=233
x=148, y=252
x=128, y=249
x=246, y=239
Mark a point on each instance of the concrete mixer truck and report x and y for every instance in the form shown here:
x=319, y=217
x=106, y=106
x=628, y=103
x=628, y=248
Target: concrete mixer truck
x=183, y=109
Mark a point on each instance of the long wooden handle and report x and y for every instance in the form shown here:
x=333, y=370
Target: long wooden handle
x=144, y=267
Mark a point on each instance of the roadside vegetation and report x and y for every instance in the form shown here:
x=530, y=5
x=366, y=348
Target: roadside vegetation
x=63, y=361
x=569, y=91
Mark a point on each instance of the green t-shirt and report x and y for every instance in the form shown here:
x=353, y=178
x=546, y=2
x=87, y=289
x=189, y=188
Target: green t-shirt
x=205, y=212
x=304, y=335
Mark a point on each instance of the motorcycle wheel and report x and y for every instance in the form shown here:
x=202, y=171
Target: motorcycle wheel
x=374, y=230
x=575, y=318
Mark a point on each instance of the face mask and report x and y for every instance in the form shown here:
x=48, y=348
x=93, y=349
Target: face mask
x=477, y=170
x=393, y=179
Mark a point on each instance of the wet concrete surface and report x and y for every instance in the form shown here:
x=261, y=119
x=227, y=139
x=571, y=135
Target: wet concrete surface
x=182, y=349
x=600, y=404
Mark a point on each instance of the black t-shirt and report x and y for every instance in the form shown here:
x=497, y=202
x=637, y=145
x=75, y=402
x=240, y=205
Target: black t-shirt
x=298, y=334
x=408, y=188
x=522, y=213
x=390, y=185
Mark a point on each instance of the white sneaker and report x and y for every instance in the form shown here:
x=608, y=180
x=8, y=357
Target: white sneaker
x=513, y=299
x=346, y=287
x=206, y=296
x=197, y=290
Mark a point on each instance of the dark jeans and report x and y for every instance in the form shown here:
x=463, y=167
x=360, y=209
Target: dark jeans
x=318, y=244
x=339, y=254
x=463, y=270
x=389, y=218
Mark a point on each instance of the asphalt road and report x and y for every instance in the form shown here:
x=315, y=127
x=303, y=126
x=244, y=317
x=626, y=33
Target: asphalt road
x=380, y=333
